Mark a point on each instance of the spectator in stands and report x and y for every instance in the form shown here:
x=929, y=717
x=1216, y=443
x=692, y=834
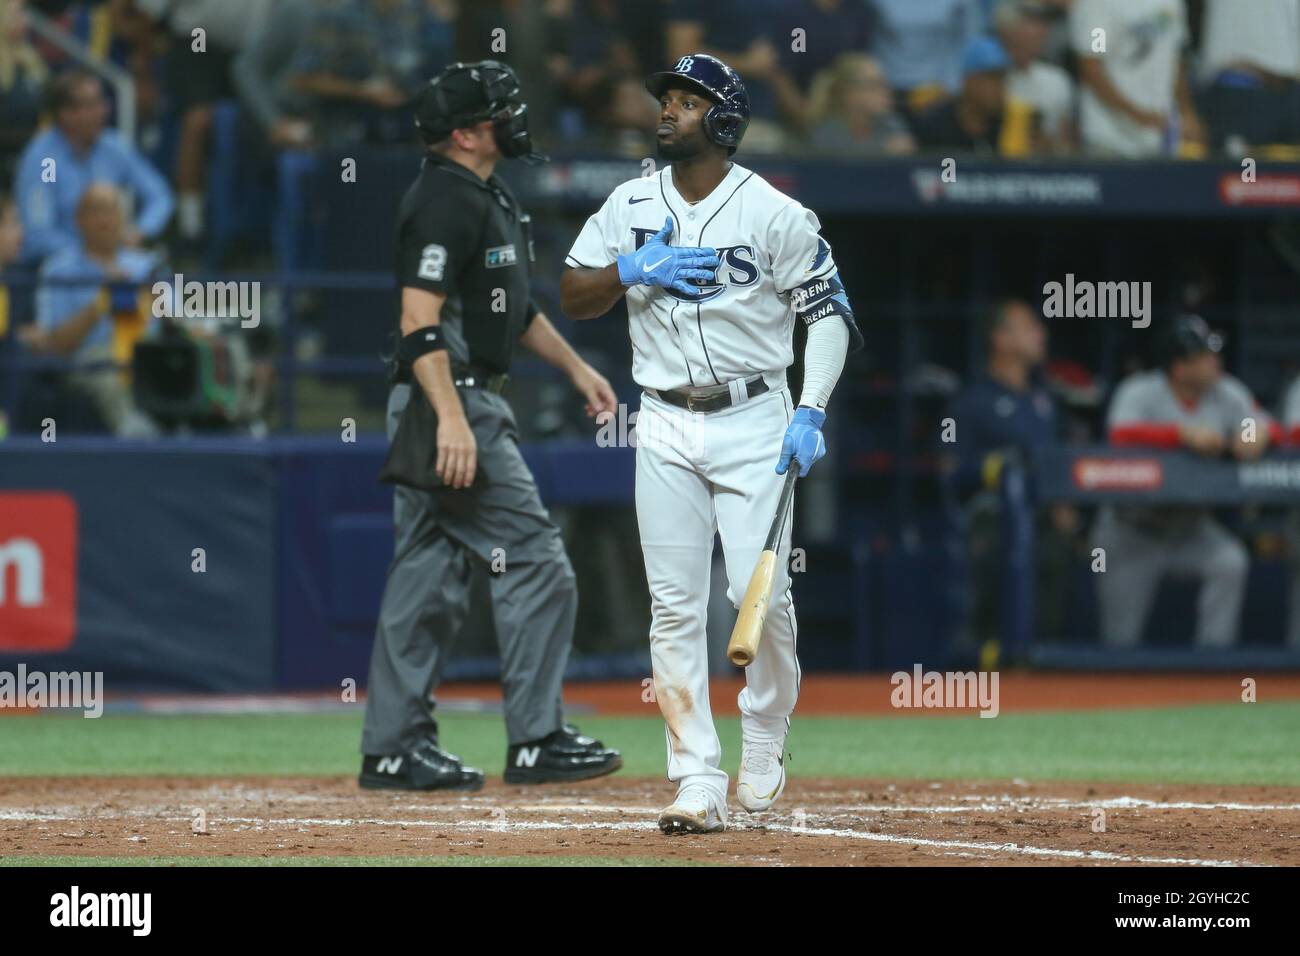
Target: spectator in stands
x=1189, y=403
x=263, y=70
x=982, y=119
x=589, y=41
x=1136, y=99
x=1001, y=418
x=624, y=116
x=11, y=232
x=61, y=162
x=198, y=72
x=1058, y=45
x=134, y=43
x=89, y=25
x=590, y=50
x=1024, y=28
x=361, y=63
x=1251, y=63
x=831, y=28
x=920, y=45
x=852, y=111
x=98, y=307
x=22, y=77
x=735, y=31
x=11, y=241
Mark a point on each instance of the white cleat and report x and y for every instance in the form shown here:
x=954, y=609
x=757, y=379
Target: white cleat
x=762, y=773
x=694, y=811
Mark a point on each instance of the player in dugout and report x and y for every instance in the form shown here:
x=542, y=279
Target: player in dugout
x=1001, y=416
x=1291, y=423
x=1190, y=402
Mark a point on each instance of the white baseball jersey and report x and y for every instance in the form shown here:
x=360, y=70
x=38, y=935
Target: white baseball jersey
x=1144, y=41
x=1291, y=406
x=743, y=322
x=1264, y=36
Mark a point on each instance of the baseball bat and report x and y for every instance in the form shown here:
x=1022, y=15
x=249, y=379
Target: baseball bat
x=745, y=636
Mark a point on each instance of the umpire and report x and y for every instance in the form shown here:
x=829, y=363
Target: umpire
x=464, y=259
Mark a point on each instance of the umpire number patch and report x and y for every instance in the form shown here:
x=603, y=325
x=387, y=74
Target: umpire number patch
x=433, y=259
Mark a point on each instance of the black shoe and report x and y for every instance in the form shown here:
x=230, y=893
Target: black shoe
x=427, y=767
x=563, y=755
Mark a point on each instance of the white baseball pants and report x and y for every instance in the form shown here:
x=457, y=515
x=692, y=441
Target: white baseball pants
x=697, y=474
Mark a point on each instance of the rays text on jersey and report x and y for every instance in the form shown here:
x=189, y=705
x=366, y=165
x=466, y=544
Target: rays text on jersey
x=738, y=268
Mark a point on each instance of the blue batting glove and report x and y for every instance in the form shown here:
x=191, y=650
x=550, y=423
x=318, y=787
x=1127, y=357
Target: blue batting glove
x=803, y=440
x=668, y=267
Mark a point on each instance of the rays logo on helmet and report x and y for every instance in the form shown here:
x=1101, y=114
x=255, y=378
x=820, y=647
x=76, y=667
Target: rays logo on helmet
x=726, y=120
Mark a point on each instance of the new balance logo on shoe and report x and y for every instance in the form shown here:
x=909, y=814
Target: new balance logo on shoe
x=388, y=765
x=527, y=756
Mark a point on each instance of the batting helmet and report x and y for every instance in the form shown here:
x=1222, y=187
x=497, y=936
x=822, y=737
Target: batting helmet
x=728, y=117
x=1189, y=335
x=465, y=94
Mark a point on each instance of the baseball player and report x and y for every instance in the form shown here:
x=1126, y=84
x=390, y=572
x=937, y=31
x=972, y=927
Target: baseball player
x=716, y=264
x=1189, y=403
x=462, y=241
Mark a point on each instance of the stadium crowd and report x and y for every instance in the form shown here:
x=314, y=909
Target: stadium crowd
x=854, y=78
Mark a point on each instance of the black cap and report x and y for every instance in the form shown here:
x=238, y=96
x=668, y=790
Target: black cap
x=462, y=95
x=1189, y=335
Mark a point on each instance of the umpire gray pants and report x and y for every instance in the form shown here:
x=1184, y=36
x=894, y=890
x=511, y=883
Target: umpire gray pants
x=501, y=523
x=1136, y=560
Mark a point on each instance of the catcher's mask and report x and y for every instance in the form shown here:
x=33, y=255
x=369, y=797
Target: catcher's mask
x=465, y=94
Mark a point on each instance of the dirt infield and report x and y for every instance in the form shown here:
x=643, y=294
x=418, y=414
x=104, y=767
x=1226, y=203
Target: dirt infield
x=819, y=821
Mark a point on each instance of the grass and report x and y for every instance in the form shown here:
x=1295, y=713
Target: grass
x=1224, y=744
x=463, y=860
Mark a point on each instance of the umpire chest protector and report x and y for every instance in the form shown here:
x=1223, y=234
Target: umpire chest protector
x=468, y=239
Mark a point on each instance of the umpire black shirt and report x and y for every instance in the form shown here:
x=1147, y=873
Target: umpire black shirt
x=468, y=239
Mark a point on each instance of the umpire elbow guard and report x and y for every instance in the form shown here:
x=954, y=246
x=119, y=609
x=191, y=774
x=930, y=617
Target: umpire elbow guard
x=423, y=340
x=815, y=300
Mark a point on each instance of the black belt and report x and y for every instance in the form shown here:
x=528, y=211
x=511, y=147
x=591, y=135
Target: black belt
x=709, y=403
x=474, y=377
x=463, y=376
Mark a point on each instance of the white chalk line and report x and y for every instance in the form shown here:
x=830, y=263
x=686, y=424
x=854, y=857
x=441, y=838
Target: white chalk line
x=1056, y=803
x=971, y=804
x=965, y=803
x=503, y=826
